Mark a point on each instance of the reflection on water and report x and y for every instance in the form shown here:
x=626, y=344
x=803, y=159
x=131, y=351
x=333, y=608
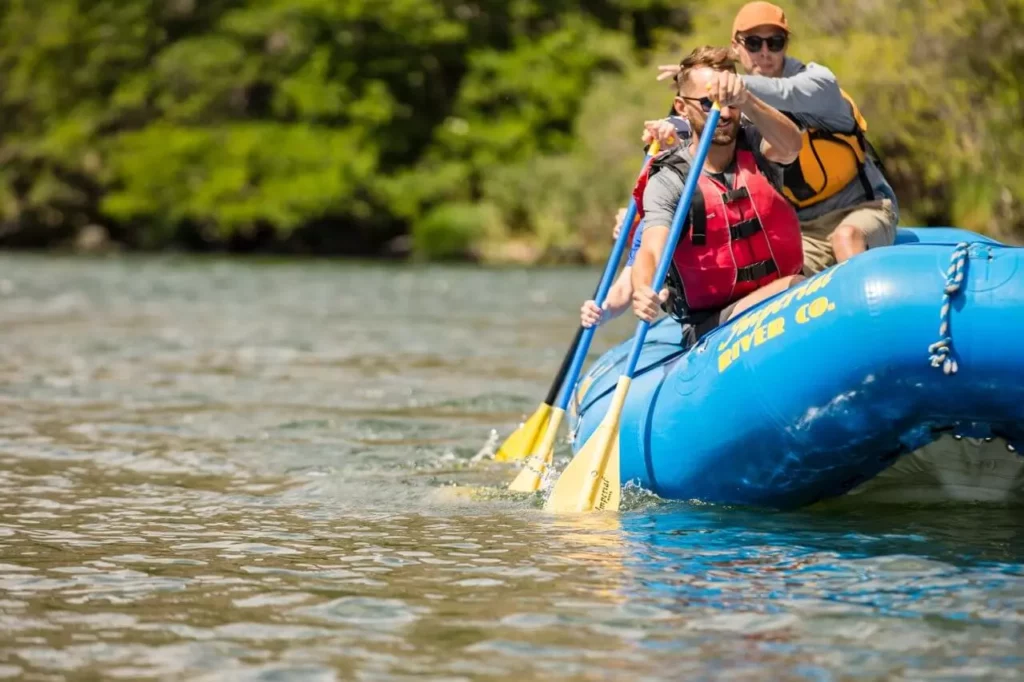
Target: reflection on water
x=260, y=471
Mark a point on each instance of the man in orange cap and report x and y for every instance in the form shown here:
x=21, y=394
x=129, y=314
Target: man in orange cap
x=842, y=197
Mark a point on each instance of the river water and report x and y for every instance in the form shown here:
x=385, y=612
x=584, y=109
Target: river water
x=266, y=470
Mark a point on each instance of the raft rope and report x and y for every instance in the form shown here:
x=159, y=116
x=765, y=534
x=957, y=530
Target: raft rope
x=941, y=349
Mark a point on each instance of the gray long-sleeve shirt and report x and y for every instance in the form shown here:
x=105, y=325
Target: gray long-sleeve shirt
x=811, y=94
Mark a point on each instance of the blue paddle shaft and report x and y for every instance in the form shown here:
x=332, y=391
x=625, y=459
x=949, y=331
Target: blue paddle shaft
x=602, y=292
x=682, y=210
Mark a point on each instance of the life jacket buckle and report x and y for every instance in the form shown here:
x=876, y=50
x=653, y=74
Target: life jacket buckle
x=735, y=195
x=745, y=229
x=756, y=271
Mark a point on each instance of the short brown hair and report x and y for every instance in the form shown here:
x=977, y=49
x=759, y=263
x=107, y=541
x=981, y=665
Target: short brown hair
x=717, y=58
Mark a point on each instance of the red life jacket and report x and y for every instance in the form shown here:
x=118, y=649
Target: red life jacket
x=739, y=239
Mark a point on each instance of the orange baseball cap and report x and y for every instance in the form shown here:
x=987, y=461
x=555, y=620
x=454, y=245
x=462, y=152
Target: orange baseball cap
x=754, y=14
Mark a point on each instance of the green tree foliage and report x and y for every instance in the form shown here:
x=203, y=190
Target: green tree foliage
x=490, y=128
x=214, y=119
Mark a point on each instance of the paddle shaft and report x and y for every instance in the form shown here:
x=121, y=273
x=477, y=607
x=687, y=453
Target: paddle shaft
x=682, y=210
x=599, y=294
x=591, y=481
x=602, y=291
x=564, y=369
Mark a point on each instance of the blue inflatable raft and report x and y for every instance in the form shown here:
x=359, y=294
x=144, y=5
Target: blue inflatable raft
x=897, y=376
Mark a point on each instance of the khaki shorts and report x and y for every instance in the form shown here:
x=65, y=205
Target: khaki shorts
x=876, y=220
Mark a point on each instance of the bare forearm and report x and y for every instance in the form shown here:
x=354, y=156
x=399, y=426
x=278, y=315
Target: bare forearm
x=777, y=130
x=646, y=303
x=643, y=269
x=621, y=293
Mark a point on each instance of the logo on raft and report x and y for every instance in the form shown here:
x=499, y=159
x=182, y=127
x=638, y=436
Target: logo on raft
x=754, y=329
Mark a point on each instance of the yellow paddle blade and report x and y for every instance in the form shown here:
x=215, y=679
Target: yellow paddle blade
x=540, y=460
x=591, y=481
x=520, y=443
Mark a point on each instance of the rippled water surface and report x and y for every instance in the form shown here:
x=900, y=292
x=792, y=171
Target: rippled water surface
x=282, y=471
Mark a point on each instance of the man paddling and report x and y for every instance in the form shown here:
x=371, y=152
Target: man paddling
x=673, y=133
x=843, y=200
x=741, y=242
x=845, y=204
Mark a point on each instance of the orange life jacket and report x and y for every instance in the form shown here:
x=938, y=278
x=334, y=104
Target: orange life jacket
x=828, y=162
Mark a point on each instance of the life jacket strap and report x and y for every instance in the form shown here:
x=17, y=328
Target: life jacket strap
x=745, y=229
x=698, y=219
x=735, y=195
x=756, y=271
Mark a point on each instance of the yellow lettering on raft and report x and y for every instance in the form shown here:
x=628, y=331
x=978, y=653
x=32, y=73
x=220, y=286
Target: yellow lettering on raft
x=798, y=292
x=788, y=298
x=724, y=343
x=816, y=308
x=744, y=324
x=733, y=353
x=724, y=360
x=756, y=318
x=739, y=326
x=760, y=335
x=809, y=289
x=776, y=306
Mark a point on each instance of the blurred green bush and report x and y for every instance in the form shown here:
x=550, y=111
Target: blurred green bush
x=494, y=129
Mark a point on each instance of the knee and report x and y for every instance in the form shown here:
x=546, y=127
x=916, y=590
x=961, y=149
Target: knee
x=846, y=235
x=791, y=280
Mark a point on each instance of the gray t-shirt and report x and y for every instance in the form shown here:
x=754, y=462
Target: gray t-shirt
x=811, y=94
x=661, y=196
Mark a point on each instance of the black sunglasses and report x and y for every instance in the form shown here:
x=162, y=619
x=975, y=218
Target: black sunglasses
x=705, y=102
x=775, y=42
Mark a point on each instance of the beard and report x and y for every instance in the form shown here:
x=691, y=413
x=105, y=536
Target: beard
x=725, y=133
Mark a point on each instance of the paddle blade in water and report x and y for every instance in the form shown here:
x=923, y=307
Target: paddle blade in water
x=522, y=441
x=540, y=460
x=591, y=481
